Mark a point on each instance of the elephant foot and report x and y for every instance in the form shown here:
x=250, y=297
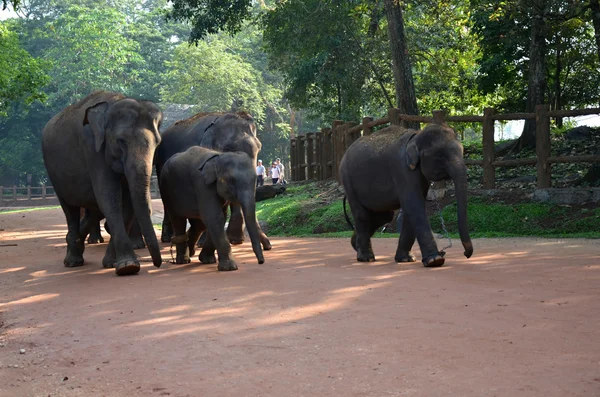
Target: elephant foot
x=206, y=258
x=138, y=245
x=182, y=260
x=95, y=240
x=368, y=257
x=73, y=260
x=127, y=266
x=408, y=257
x=266, y=244
x=236, y=241
x=434, y=261
x=227, y=265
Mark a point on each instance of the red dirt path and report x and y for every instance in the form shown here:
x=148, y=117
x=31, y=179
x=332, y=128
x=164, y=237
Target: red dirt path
x=520, y=318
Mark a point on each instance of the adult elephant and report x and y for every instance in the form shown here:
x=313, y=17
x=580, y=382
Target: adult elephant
x=196, y=185
x=393, y=169
x=98, y=153
x=225, y=132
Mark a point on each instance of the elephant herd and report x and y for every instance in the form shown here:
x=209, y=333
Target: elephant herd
x=100, y=151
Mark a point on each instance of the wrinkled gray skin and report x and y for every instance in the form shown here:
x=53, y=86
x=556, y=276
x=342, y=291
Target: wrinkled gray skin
x=98, y=153
x=197, y=185
x=225, y=132
x=393, y=168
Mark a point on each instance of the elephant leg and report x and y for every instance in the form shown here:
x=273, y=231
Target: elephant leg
x=365, y=228
x=115, y=204
x=95, y=234
x=207, y=254
x=90, y=224
x=180, y=239
x=135, y=234
x=264, y=240
x=406, y=241
x=201, y=240
x=235, y=229
x=415, y=213
x=75, y=246
x=167, y=229
x=215, y=223
x=196, y=228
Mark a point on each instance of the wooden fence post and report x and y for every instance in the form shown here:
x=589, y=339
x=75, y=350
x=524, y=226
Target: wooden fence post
x=542, y=146
x=44, y=191
x=349, y=138
x=1, y=193
x=293, y=161
x=327, y=153
x=302, y=158
x=439, y=116
x=367, y=130
x=336, y=141
x=318, y=153
x=489, y=172
x=394, y=116
x=28, y=192
x=310, y=155
x=14, y=192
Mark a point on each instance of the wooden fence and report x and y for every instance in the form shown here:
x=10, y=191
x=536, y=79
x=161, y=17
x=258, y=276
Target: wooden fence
x=37, y=194
x=317, y=155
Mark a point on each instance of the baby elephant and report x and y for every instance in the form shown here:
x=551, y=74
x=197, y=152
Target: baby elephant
x=197, y=185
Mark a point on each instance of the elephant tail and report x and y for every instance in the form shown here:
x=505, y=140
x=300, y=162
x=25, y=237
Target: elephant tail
x=346, y=215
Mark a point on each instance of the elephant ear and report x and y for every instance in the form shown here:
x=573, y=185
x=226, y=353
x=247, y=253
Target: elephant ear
x=412, y=154
x=95, y=118
x=208, y=168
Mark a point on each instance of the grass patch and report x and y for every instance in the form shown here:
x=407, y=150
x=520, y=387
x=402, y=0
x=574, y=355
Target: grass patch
x=305, y=210
x=28, y=209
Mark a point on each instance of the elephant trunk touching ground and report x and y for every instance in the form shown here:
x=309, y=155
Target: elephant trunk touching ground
x=248, y=209
x=458, y=174
x=138, y=174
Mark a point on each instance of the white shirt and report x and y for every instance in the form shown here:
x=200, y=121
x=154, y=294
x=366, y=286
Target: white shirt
x=275, y=172
x=260, y=170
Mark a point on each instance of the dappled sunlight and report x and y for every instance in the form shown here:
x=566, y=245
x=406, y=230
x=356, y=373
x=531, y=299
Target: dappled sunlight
x=174, y=309
x=153, y=321
x=12, y=269
x=30, y=299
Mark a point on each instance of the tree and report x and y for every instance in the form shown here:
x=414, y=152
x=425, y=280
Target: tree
x=22, y=77
x=406, y=98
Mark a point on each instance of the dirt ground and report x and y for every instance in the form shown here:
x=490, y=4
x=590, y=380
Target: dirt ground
x=520, y=318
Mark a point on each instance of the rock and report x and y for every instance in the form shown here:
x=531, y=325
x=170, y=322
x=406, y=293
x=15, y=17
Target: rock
x=581, y=133
x=22, y=351
x=268, y=191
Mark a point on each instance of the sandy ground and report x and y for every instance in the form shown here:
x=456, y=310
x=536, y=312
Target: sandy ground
x=520, y=318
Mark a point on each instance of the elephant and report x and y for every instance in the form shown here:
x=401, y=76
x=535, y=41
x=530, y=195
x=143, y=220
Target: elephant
x=225, y=132
x=392, y=169
x=197, y=185
x=98, y=153
x=95, y=235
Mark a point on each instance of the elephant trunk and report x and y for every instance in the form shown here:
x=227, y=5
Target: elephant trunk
x=459, y=176
x=138, y=178
x=248, y=205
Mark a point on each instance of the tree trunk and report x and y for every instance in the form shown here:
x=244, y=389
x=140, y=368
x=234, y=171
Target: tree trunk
x=595, y=8
x=537, y=70
x=403, y=79
x=557, y=89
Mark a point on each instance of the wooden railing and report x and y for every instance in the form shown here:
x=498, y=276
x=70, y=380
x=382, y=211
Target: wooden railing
x=40, y=193
x=317, y=155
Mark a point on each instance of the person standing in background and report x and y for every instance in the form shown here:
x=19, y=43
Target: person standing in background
x=281, y=171
x=274, y=173
x=260, y=174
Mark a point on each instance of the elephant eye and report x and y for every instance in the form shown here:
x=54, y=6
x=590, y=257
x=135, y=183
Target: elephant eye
x=121, y=142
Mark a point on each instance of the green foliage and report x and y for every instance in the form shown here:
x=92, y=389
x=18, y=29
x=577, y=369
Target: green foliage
x=305, y=211
x=211, y=16
x=90, y=51
x=516, y=220
x=22, y=76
